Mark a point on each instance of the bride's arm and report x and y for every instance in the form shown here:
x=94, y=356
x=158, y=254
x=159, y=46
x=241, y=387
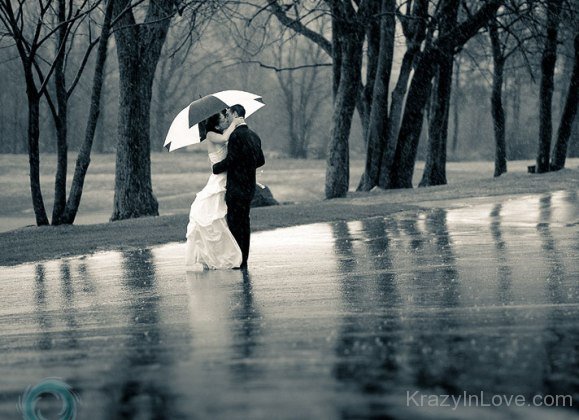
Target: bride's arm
x=217, y=138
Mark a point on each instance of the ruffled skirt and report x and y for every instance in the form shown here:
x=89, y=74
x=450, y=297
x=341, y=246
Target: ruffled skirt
x=210, y=243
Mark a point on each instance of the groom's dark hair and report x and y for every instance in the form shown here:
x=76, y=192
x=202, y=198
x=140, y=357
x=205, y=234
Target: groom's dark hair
x=238, y=109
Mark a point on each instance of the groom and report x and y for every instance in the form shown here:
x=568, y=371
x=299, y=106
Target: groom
x=244, y=156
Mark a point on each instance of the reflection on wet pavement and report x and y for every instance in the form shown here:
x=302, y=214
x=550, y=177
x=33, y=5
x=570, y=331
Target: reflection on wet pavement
x=331, y=320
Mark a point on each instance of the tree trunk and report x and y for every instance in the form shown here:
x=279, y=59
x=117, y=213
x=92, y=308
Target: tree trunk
x=102, y=141
x=83, y=158
x=419, y=91
x=515, y=135
x=455, y=114
x=574, y=140
x=376, y=142
x=568, y=116
x=365, y=92
x=336, y=56
x=60, y=119
x=348, y=35
x=34, y=156
x=33, y=95
x=497, y=110
x=414, y=39
x=411, y=127
x=435, y=166
x=546, y=91
x=396, y=108
x=297, y=148
x=498, y=114
x=291, y=128
x=133, y=189
x=338, y=162
x=300, y=143
x=138, y=51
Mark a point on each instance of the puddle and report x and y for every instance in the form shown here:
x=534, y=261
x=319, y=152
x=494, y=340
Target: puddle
x=331, y=320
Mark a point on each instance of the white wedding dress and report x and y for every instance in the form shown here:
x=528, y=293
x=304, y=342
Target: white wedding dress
x=210, y=243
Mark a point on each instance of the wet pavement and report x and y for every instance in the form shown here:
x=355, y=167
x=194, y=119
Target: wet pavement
x=340, y=320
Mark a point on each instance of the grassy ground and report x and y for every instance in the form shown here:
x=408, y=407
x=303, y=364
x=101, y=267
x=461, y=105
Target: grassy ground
x=176, y=178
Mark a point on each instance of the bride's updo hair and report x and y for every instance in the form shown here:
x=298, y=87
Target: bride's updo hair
x=210, y=124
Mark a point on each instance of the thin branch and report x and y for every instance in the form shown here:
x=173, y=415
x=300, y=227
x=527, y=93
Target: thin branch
x=279, y=69
x=77, y=16
x=298, y=26
x=82, y=66
x=46, y=92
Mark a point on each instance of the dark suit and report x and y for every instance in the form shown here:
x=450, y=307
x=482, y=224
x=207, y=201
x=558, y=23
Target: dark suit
x=244, y=156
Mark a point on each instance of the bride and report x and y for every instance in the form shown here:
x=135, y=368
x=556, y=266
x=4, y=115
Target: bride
x=210, y=243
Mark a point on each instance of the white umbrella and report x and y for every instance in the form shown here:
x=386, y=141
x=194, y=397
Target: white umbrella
x=184, y=130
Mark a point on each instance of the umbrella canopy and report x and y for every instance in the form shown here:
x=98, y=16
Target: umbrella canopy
x=184, y=130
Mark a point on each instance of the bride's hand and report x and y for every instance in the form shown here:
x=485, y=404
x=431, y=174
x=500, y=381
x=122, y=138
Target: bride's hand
x=238, y=121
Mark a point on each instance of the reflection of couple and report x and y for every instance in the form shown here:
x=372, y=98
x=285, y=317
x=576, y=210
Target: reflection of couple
x=218, y=230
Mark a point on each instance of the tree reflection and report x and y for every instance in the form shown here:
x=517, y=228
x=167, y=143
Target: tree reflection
x=446, y=275
x=40, y=306
x=504, y=281
x=436, y=359
x=561, y=351
x=343, y=247
x=368, y=339
x=68, y=305
x=556, y=274
x=144, y=389
x=409, y=226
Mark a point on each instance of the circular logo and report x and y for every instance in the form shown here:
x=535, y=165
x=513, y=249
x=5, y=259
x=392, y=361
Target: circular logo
x=60, y=390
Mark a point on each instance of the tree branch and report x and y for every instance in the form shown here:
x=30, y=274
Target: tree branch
x=299, y=27
x=279, y=69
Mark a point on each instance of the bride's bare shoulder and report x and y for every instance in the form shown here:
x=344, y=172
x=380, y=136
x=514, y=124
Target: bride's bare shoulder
x=216, y=138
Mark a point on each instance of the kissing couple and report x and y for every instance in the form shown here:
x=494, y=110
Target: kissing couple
x=219, y=228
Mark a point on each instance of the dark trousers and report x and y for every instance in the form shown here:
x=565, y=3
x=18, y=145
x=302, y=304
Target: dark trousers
x=238, y=222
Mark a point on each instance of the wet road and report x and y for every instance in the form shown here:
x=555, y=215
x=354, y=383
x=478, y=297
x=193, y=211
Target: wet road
x=341, y=320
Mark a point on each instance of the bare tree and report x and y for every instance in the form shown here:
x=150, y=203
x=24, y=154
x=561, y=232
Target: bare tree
x=435, y=167
x=352, y=24
x=377, y=138
x=568, y=115
x=348, y=33
x=414, y=25
x=498, y=111
x=349, y=22
x=83, y=158
x=457, y=98
x=29, y=27
x=65, y=36
x=13, y=22
x=509, y=33
x=548, y=60
x=138, y=51
x=139, y=47
x=168, y=88
x=418, y=93
x=300, y=80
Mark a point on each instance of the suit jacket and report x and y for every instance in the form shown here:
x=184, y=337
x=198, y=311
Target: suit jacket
x=244, y=156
